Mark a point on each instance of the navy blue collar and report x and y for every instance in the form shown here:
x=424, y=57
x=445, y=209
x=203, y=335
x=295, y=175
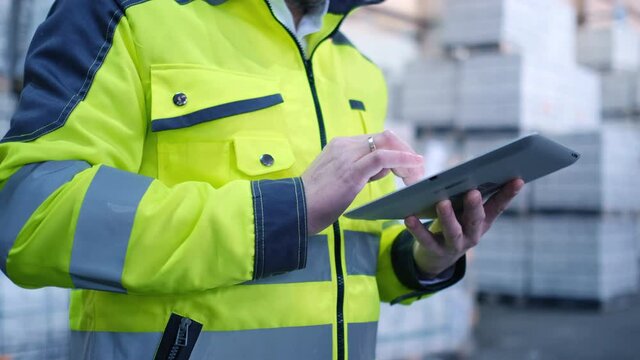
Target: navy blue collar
x=343, y=7
x=340, y=7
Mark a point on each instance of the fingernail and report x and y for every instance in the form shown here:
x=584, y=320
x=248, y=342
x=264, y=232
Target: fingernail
x=442, y=207
x=411, y=222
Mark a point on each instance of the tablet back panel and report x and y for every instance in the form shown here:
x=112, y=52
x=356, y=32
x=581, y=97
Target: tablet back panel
x=529, y=158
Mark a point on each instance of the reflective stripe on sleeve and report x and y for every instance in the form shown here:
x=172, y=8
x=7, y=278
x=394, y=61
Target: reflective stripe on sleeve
x=103, y=229
x=24, y=192
x=318, y=266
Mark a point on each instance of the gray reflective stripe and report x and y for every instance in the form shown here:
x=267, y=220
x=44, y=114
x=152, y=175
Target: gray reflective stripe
x=318, y=266
x=362, y=340
x=103, y=229
x=305, y=342
x=24, y=192
x=308, y=342
x=88, y=345
x=361, y=250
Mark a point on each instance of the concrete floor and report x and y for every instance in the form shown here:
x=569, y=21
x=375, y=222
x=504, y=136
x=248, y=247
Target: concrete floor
x=537, y=333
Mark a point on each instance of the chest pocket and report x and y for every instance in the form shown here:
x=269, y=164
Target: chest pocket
x=217, y=126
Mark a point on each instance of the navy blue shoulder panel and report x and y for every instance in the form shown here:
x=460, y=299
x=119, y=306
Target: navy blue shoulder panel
x=66, y=52
x=342, y=7
x=339, y=38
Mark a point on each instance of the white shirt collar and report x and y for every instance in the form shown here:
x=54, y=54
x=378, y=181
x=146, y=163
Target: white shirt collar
x=310, y=23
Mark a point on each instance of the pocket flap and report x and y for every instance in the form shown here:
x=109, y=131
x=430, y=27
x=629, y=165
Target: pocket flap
x=258, y=155
x=183, y=96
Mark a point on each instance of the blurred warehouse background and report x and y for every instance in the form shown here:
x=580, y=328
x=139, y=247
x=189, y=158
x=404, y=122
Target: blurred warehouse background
x=466, y=76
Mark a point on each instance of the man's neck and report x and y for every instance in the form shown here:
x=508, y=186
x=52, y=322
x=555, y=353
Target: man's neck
x=296, y=11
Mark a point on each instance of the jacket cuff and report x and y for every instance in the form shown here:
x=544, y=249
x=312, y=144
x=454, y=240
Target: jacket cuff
x=406, y=271
x=280, y=223
x=443, y=276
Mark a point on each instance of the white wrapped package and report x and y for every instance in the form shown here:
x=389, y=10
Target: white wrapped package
x=440, y=324
x=583, y=257
x=615, y=47
x=501, y=261
x=541, y=28
x=620, y=93
x=513, y=92
x=429, y=97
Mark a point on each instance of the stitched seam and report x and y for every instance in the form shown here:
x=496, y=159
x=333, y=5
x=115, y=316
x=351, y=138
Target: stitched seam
x=258, y=235
x=90, y=74
x=304, y=214
x=256, y=232
x=82, y=92
x=262, y=229
x=295, y=191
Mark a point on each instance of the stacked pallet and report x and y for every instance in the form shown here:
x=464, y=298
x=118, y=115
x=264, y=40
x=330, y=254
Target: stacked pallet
x=602, y=13
x=33, y=323
x=603, y=179
x=615, y=47
x=431, y=93
x=577, y=240
x=517, y=72
x=510, y=91
x=502, y=263
x=620, y=93
x=590, y=208
x=537, y=28
x=439, y=325
x=614, y=51
x=583, y=257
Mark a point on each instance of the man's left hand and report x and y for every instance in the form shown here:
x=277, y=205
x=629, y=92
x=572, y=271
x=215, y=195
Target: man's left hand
x=434, y=253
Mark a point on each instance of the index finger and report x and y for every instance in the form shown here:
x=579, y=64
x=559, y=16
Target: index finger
x=372, y=163
x=389, y=140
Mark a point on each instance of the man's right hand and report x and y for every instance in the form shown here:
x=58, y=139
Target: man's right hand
x=345, y=166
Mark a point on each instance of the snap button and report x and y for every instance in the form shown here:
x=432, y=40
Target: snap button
x=267, y=160
x=180, y=99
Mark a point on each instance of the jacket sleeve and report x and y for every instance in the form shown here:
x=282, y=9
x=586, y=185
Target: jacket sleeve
x=75, y=213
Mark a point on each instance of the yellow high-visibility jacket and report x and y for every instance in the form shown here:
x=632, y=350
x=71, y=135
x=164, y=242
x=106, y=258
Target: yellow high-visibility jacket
x=153, y=164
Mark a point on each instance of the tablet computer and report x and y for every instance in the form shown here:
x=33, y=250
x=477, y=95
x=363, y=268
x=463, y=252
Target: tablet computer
x=528, y=158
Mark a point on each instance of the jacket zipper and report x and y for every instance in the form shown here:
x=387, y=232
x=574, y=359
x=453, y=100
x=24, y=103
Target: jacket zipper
x=179, y=338
x=182, y=339
x=308, y=66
